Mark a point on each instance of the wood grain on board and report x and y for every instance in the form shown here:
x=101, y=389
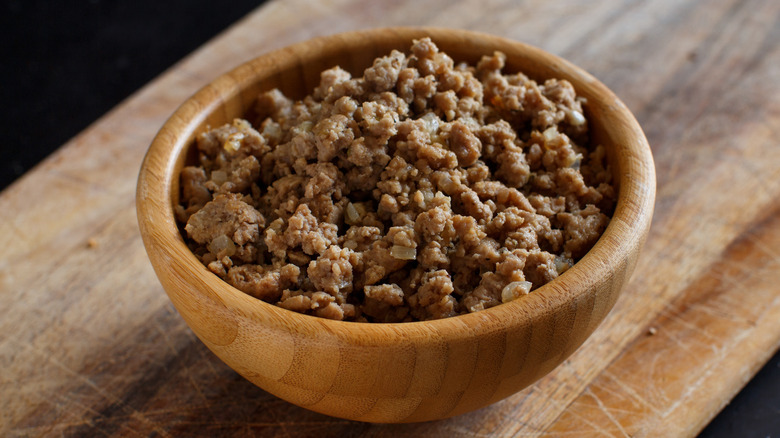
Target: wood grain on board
x=91, y=345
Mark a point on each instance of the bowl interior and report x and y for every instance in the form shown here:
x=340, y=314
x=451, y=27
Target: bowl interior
x=296, y=71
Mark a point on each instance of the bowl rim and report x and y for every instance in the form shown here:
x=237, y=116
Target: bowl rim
x=624, y=235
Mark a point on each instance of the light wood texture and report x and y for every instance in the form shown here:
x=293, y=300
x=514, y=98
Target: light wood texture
x=90, y=344
x=394, y=372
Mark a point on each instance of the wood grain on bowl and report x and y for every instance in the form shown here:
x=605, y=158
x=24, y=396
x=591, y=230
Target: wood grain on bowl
x=394, y=372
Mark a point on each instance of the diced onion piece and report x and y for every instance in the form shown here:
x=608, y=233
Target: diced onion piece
x=477, y=307
x=550, y=134
x=403, y=252
x=305, y=126
x=576, y=162
x=233, y=142
x=272, y=131
x=576, y=118
x=432, y=124
x=222, y=246
x=242, y=124
x=562, y=264
x=219, y=176
x=515, y=290
x=351, y=214
x=431, y=121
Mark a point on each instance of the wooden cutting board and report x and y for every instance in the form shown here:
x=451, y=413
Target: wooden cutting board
x=90, y=344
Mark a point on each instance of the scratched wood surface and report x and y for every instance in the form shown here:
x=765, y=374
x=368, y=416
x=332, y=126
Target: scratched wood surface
x=90, y=345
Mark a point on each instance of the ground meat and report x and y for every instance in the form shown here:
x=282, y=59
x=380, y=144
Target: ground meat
x=332, y=272
x=229, y=229
x=420, y=190
x=434, y=299
x=263, y=283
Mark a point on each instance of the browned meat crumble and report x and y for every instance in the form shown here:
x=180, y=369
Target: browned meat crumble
x=421, y=190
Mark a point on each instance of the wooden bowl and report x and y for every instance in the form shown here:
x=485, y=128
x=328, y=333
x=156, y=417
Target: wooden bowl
x=408, y=371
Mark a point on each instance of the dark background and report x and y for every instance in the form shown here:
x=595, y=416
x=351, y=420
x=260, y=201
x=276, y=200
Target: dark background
x=64, y=64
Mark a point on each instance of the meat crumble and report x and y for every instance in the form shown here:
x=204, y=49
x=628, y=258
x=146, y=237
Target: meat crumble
x=421, y=190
